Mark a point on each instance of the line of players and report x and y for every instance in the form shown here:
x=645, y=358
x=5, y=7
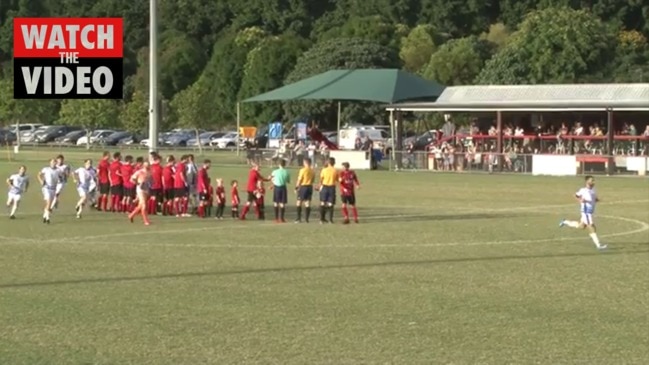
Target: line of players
x=136, y=186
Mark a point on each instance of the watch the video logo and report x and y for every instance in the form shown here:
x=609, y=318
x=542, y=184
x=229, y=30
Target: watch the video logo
x=68, y=58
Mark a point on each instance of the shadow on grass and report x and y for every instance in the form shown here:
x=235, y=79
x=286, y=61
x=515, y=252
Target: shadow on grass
x=617, y=251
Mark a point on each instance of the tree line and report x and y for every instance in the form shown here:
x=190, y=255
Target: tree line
x=215, y=53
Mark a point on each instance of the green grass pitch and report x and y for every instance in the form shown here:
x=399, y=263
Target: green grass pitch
x=443, y=269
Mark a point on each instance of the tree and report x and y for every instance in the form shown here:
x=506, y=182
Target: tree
x=371, y=28
x=267, y=66
x=458, y=61
x=459, y=18
x=344, y=53
x=554, y=45
x=24, y=110
x=90, y=114
x=498, y=35
x=134, y=114
x=190, y=106
x=417, y=47
x=631, y=57
x=181, y=62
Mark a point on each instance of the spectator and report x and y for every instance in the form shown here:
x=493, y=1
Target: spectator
x=299, y=152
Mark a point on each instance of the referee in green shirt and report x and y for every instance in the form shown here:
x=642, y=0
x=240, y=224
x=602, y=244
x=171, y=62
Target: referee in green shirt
x=281, y=178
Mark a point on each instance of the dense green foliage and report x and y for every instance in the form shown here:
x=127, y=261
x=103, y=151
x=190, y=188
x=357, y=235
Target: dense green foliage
x=215, y=53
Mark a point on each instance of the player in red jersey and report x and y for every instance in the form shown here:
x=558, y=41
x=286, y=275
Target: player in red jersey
x=219, y=198
x=168, y=186
x=203, y=187
x=156, y=183
x=104, y=182
x=260, y=192
x=181, y=187
x=253, y=177
x=116, y=182
x=129, y=186
x=234, y=195
x=348, y=182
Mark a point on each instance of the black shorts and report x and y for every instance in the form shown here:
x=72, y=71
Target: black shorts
x=129, y=192
x=169, y=194
x=251, y=197
x=180, y=192
x=305, y=193
x=117, y=190
x=203, y=197
x=157, y=193
x=280, y=195
x=328, y=194
x=348, y=199
x=104, y=188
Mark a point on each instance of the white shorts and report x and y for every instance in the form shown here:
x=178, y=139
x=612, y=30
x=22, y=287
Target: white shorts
x=13, y=197
x=48, y=193
x=82, y=191
x=59, y=188
x=587, y=219
x=92, y=187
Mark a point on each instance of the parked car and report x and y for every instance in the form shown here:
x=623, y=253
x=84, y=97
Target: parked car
x=50, y=133
x=71, y=137
x=205, y=138
x=132, y=138
x=30, y=135
x=180, y=139
x=229, y=140
x=422, y=141
x=25, y=130
x=94, y=136
x=7, y=137
x=115, y=138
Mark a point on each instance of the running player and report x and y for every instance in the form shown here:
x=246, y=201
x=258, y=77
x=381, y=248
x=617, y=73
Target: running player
x=48, y=178
x=328, y=179
x=141, y=179
x=219, y=196
x=103, y=168
x=128, y=193
x=281, y=178
x=116, y=182
x=18, y=185
x=234, y=195
x=587, y=198
x=203, y=187
x=304, y=189
x=181, y=187
x=83, y=179
x=64, y=174
x=253, y=177
x=156, y=184
x=168, y=186
x=348, y=182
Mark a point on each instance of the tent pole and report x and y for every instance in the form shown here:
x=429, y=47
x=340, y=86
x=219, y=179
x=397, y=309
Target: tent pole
x=338, y=128
x=238, y=126
x=392, y=154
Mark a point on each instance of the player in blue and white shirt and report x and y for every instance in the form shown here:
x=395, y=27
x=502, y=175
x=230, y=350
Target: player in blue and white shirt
x=49, y=177
x=587, y=197
x=18, y=185
x=64, y=174
x=83, y=178
x=92, y=190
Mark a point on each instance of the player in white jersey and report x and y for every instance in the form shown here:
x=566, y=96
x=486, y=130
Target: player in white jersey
x=64, y=174
x=192, y=171
x=83, y=179
x=92, y=190
x=48, y=177
x=587, y=198
x=18, y=185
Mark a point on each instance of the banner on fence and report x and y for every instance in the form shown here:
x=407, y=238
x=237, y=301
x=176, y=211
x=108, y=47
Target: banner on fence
x=274, y=134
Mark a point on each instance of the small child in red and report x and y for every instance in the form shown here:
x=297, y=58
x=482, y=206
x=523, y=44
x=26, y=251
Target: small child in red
x=234, y=195
x=260, y=192
x=219, y=198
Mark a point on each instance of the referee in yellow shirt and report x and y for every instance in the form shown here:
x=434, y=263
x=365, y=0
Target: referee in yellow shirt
x=328, y=179
x=304, y=189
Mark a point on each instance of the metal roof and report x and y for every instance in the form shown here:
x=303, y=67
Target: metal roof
x=568, y=97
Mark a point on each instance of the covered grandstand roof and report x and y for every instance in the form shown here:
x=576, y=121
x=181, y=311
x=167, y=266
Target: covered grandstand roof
x=568, y=97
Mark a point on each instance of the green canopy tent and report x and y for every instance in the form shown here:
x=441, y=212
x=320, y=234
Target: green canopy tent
x=376, y=85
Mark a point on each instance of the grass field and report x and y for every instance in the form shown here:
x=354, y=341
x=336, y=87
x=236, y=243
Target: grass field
x=443, y=269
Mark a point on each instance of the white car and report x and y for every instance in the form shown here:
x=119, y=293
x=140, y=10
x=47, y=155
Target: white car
x=229, y=140
x=99, y=133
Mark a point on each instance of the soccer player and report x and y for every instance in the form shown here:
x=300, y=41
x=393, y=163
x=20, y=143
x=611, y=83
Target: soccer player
x=234, y=196
x=128, y=194
x=181, y=187
x=192, y=183
x=168, y=186
x=92, y=188
x=203, y=187
x=219, y=195
x=64, y=174
x=82, y=178
x=104, y=181
x=587, y=198
x=18, y=185
x=156, y=184
x=328, y=179
x=48, y=177
x=281, y=178
x=141, y=180
x=348, y=182
x=304, y=188
x=116, y=182
x=210, y=198
x=253, y=177
x=260, y=193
